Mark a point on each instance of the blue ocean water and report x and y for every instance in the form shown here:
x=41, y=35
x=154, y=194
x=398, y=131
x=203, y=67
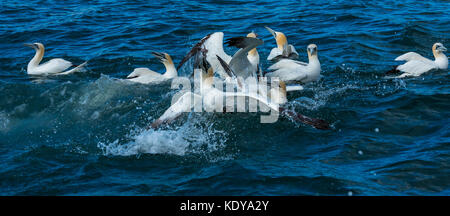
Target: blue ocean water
x=85, y=134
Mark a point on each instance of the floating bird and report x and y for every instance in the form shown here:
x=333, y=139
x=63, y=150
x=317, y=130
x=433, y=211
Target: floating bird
x=246, y=59
x=57, y=66
x=292, y=71
x=146, y=76
x=416, y=64
x=283, y=49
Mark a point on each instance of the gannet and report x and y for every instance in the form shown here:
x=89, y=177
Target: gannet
x=209, y=96
x=56, y=66
x=146, y=76
x=416, y=64
x=283, y=49
x=292, y=71
x=246, y=59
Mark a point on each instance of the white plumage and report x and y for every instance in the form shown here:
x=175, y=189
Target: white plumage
x=416, y=64
x=57, y=66
x=209, y=98
x=292, y=71
x=147, y=76
x=244, y=60
x=283, y=49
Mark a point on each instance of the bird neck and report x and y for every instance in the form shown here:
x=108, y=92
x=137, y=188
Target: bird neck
x=253, y=52
x=441, y=60
x=171, y=71
x=312, y=58
x=278, y=95
x=253, y=56
x=37, y=58
x=281, y=41
x=207, y=79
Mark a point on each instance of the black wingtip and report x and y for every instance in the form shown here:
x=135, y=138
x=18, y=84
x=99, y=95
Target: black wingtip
x=242, y=42
x=226, y=67
x=236, y=42
x=194, y=50
x=314, y=122
x=393, y=71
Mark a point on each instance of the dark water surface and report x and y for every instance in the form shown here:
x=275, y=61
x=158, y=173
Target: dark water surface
x=84, y=134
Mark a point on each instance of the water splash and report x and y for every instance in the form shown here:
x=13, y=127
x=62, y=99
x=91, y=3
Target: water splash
x=189, y=138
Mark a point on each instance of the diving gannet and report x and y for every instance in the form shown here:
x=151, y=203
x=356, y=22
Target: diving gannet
x=246, y=58
x=57, y=66
x=146, y=76
x=283, y=49
x=292, y=71
x=416, y=64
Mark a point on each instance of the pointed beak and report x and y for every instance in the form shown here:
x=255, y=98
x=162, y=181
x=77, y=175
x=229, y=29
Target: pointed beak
x=159, y=56
x=271, y=31
x=442, y=49
x=30, y=45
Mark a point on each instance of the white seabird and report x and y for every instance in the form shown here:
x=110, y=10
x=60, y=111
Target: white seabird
x=56, y=66
x=147, y=76
x=283, y=49
x=246, y=59
x=416, y=64
x=292, y=71
x=209, y=97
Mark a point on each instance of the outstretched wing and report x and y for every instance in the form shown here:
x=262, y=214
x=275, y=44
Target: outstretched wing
x=240, y=63
x=197, y=47
x=314, y=122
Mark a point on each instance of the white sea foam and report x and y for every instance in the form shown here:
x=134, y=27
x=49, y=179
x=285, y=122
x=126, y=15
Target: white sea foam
x=188, y=138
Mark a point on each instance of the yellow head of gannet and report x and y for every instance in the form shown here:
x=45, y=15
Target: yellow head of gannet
x=164, y=58
x=280, y=38
x=441, y=59
x=438, y=49
x=312, y=51
x=40, y=49
x=252, y=52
